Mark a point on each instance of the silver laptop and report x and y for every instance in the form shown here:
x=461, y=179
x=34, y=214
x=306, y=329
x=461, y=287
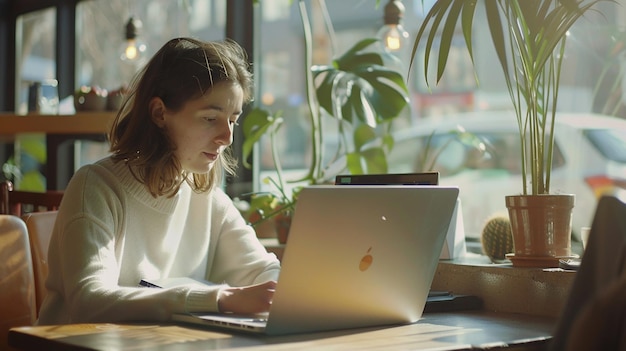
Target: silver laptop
x=357, y=256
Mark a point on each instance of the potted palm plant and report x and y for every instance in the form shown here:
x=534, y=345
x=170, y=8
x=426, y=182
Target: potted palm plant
x=357, y=92
x=529, y=38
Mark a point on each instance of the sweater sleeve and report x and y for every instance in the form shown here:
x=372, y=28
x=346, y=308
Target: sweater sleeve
x=239, y=258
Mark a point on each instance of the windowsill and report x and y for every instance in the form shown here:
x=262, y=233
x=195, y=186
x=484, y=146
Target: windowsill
x=504, y=288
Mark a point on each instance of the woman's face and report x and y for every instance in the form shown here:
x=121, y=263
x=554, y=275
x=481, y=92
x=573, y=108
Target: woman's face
x=203, y=128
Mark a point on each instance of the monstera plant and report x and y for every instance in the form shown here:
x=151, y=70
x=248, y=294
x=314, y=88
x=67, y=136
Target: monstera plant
x=359, y=94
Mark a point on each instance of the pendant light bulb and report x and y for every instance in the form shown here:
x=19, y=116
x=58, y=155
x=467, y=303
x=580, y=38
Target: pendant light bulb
x=392, y=34
x=133, y=49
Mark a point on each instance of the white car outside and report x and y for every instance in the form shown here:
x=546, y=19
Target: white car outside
x=589, y=160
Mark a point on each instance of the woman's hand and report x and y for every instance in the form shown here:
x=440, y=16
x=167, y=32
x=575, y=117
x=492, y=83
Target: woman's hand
x=248, y=299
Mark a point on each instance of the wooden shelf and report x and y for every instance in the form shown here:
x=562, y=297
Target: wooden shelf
x=81, y=123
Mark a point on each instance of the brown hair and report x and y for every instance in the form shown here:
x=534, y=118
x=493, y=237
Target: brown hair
x=182, y=70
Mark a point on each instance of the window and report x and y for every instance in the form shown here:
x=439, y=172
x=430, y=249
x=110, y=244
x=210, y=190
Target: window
x=275, y=10
x=35, y=80
x=35, y=56
x=101, y=33
x=589, y=76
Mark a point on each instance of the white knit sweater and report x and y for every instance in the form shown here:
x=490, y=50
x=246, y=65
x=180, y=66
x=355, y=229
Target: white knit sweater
x=110, y=233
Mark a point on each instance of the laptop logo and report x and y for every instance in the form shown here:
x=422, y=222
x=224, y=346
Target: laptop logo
x=366, y=261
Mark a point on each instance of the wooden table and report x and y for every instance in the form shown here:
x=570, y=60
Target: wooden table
x=59, y=130
x=435, y=331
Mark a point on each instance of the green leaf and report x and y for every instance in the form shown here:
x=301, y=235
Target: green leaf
x=354, y=52
x=362, y=86
x=324, y=91
x=375, y=160
x=353, y=107
x=256, y=124
x=386, y=97
x=352, y=62
x=431, y=26
x=363, y=134
x=353, y=162
x=388, y=141
x=447, y=35
x=467, y=20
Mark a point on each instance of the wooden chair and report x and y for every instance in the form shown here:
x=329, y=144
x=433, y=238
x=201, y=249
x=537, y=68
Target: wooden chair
x=17, y=284
x=18, y=202
x=40, y=225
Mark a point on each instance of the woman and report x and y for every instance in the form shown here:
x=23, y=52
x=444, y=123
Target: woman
x=154, y=208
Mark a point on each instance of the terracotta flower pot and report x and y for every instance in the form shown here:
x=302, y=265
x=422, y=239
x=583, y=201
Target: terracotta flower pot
x=541, y=225
x=282, y=221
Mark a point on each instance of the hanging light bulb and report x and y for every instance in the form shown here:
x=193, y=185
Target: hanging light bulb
x=133, y=49
x=393, y=35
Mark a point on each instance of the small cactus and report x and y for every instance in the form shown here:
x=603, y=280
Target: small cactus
x=497, y=240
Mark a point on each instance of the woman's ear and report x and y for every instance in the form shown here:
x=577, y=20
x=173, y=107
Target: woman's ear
x=157, y=111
